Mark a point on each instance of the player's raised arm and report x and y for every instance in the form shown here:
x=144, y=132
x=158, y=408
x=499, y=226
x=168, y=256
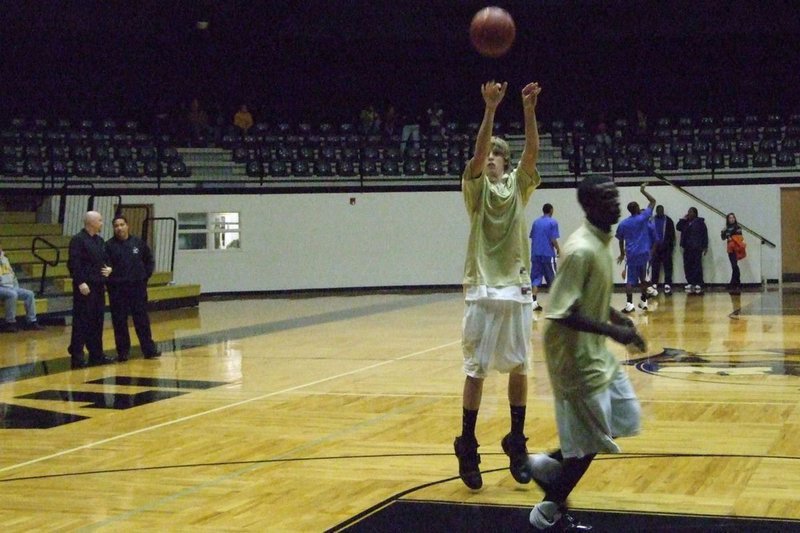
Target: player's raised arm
x=493, y=94
x=530, y=154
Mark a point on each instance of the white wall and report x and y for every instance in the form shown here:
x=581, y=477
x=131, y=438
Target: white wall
x=308, y=241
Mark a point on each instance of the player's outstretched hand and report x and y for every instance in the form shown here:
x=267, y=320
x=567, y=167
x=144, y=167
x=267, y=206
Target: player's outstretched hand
x=629, y=336
x=530, y=95
x=493, y=93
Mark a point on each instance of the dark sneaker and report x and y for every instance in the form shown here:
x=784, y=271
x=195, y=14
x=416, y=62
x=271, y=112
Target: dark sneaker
x=32, y=326
x=468, y=461
x=101, y=359
x=517, y=451
x=9, y=327
x=153, y=355
x=569, y=523
x=122, y=357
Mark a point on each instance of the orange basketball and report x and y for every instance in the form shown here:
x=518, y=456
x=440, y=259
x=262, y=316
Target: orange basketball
x=492, y=31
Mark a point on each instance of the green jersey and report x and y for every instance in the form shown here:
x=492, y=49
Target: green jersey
x=579, y=363
x=498, y=252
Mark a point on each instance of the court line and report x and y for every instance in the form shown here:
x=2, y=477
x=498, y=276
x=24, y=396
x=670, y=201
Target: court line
x=221, y=408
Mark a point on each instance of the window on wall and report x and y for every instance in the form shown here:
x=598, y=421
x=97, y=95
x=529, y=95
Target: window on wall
x=208, y=231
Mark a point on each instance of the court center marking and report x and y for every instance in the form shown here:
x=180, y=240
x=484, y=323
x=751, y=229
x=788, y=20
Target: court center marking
x=222, y=408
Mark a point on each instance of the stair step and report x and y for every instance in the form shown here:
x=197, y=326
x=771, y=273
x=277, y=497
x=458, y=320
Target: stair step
x=21, y=257
x=24, y=242
x=17, y=217
x=30, y=229
x=64, y=285
x=41, y=306
x=34, y=270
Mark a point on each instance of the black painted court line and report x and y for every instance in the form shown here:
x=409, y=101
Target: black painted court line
x=447, y=517
x=54, y=366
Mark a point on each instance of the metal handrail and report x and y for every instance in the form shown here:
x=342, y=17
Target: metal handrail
x=146, y=231
x=45, y=262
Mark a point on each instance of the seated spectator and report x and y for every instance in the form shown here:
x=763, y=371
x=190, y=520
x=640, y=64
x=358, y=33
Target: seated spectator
x=602, y=137
x=243, y=120
x=435, y=119
x=197, y=120
x=10, y=292
x=369, y=121
x=389, y=119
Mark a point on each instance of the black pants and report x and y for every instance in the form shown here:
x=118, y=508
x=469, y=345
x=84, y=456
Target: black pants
x=130, y=299
x=87, y=322
x=693, y=266
x=735, y=274
x=661, y=257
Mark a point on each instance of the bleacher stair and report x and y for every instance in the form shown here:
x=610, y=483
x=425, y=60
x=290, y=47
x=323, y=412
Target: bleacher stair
x=17, y=231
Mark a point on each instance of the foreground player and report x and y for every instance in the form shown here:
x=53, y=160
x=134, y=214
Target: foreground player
x=498, y=315
x=594, y=400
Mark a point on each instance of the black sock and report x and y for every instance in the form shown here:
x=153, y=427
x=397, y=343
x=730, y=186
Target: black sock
x=572, y=470
x=518, y=419
x=468, y=421
x=629, y=297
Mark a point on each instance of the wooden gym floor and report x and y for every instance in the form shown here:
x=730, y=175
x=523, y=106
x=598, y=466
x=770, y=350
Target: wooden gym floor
x=339, y=413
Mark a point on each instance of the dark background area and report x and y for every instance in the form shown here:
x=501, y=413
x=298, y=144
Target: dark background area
x=316, y=60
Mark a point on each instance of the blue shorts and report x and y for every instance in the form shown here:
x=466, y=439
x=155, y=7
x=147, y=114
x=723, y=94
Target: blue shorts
x=542, y=266
x=637, y=273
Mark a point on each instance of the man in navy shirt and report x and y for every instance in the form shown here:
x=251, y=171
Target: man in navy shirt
x=544, y=250
x=662, y=250
x=634, y=246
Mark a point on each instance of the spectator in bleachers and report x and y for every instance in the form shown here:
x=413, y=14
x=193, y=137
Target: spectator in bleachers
x=410, y=132
x=389, y=119
x=197, y=120
x=10, y=292
x=694, y=242
x=369, y=120
x=435, y=119
x=641, y=130
x=601, y=137
x=243, y=120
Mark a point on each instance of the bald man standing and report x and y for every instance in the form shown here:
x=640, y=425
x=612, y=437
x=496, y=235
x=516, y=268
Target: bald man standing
x=88, y=266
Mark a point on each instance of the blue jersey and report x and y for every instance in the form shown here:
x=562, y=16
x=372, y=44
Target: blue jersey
x=635, y=231
x=543, y=231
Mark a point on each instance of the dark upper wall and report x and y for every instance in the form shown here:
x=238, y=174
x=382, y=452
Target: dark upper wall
x=318, y=58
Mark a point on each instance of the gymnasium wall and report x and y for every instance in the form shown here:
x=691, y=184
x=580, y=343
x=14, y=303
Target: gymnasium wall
x=319, y=241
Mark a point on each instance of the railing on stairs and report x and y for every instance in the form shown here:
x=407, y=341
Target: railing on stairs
x=165, y=237
x=45, y=262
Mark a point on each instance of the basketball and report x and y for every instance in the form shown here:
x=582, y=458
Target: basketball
x=492, y=31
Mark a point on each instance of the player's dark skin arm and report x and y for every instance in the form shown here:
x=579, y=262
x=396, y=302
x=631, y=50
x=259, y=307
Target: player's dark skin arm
x=621, y=328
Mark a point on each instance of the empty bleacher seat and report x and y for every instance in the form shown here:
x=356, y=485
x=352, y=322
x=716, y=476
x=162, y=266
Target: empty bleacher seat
x=324, y=168
x=107, y=168
x=412, y=167
x=785, y=158
x=739, y=160
x=668, y=162
x=762, y=160
x=301, y=168
x=600, y=164
x=715, y=160
x=390, y=167
x=346, y=168
x=691, y=161
x=129, y=168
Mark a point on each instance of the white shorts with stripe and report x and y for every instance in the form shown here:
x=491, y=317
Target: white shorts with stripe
x=589, y=425
x=496, y=336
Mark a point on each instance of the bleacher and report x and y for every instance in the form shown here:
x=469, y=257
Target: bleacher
x=327, y=155
x=26, y=242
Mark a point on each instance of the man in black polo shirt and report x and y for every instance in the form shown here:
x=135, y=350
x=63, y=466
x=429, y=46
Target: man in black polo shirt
x=88, y=266
x=133, y=265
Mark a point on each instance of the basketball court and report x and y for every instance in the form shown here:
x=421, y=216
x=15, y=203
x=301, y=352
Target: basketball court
x=338, y=412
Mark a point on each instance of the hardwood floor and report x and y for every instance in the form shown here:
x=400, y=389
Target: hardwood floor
x=298, y=414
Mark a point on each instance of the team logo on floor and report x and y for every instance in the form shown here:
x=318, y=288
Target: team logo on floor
x=676, y=362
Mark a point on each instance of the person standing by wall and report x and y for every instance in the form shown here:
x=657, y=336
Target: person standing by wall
x=694, y=243
x=88, y=266
x=544, y=250
x=662, y=250
x=133, y=265
x=732, y=234
x=634, y=247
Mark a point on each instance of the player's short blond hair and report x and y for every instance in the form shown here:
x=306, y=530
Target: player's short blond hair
x=501, y=145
